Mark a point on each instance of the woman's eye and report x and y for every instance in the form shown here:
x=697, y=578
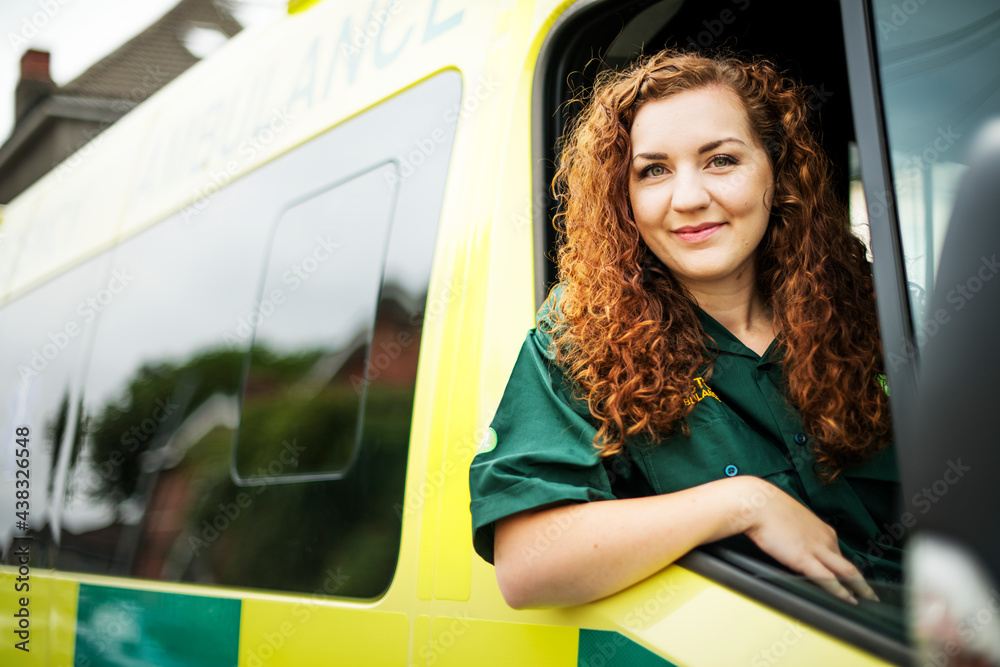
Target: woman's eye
x=722, y=161
x=655, y=170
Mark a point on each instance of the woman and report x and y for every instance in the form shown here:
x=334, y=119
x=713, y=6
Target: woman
x=709, y=365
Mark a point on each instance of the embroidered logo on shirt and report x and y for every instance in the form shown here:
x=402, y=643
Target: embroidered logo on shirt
x=489, y=442
x=699, y=390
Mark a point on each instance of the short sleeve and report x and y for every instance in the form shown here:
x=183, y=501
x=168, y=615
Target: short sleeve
x=543, y=448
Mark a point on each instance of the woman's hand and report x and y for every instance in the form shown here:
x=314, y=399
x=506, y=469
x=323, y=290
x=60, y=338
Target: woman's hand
x=791, y=534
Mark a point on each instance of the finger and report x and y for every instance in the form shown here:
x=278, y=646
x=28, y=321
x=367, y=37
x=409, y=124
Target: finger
x=849, y=574
x=862, y=588
x=858, y=585
x=825, y=579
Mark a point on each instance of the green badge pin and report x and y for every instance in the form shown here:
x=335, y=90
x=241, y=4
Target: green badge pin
x=489, y=442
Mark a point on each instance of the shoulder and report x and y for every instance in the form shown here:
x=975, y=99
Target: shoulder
x=547, y=322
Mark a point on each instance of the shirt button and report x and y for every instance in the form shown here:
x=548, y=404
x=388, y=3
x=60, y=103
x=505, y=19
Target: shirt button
x=801, y=438
x=731, y=470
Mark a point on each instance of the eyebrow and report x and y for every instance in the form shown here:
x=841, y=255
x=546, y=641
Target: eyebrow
x=715, y=144
x=712, y=145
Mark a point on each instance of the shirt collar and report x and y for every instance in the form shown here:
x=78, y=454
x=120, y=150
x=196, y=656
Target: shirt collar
x=720, y=339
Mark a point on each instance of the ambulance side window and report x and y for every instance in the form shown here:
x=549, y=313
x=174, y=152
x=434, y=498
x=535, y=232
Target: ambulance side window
x=247, y=406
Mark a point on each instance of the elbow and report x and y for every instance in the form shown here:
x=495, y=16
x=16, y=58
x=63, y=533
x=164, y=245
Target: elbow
x=527, y=578
x=515, y=584
x=533, y=586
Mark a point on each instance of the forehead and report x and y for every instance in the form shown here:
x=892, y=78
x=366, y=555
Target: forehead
x=690, y=119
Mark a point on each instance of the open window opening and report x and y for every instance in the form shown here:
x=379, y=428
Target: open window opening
x=807, y=42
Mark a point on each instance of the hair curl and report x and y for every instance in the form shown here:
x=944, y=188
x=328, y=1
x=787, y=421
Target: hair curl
x=627, y=333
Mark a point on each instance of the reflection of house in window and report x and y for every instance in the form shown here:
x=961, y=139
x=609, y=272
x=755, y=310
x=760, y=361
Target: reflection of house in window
x=395, y=343
x=396, y=340
x=53, y=122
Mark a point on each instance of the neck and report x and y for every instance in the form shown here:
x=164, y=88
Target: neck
x=739, y=307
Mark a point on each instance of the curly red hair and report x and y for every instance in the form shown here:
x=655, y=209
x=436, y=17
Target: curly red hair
x=627, y=333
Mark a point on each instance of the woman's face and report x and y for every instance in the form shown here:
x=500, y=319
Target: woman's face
x=700, y=185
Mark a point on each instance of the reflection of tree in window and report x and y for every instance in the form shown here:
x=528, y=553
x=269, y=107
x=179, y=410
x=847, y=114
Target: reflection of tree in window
x=193, y=528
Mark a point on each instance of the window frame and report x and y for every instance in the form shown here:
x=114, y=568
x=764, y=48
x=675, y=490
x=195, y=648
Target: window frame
x=250, y=481
x=888, y=267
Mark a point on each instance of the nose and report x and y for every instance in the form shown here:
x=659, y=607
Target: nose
x=690, y=193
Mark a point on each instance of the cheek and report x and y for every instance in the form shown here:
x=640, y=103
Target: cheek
x=647, y=206
x=756, y=199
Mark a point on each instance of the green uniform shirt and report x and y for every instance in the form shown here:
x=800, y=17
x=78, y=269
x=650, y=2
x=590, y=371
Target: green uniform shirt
x=540, y=451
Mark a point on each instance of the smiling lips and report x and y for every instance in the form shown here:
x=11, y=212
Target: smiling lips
x=697, y=233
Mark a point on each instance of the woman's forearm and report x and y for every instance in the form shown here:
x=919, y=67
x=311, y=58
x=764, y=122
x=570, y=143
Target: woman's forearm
x=572, y=554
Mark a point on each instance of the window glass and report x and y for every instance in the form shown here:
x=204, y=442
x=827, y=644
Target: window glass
x=856, y=199
x=151, y=489
x=44, y=336
x=159, y=394
x=314, y=320
x=938, y=67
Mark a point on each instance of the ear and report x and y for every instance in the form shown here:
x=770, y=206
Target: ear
x=769, y=196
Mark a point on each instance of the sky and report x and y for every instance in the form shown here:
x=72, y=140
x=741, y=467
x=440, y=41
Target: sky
x=80, y=32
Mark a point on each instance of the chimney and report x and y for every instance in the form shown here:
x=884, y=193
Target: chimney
x=35, y=83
